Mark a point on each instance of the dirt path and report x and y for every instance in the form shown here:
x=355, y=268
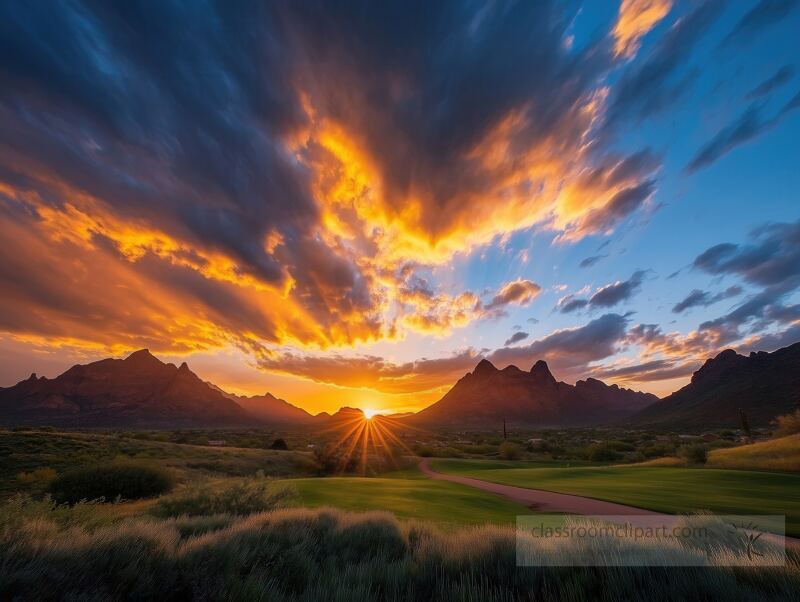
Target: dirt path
x=549, y=501
x=543, y=501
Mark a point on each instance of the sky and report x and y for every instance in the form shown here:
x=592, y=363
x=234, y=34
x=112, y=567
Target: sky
x=352, y=203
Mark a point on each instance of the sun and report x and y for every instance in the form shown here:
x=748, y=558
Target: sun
x=369, y=413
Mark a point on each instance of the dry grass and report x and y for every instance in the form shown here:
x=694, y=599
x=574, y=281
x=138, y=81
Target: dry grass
x=325, y=554
x=776, y=454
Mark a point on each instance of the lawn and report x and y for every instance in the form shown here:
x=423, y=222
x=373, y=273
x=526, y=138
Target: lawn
x=419, y=498
x=663, y=489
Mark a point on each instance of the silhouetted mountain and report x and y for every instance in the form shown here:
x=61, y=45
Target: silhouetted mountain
x=272, y=410
x=138, y=391
x=487, y=396
x=764, y=385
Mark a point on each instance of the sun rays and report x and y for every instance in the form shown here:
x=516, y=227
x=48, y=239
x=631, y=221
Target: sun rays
x=366, y=434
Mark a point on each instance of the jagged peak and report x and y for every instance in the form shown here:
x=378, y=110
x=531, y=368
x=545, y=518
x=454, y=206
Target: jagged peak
x=33, y=376
x=484, y=367
x=141, y=355
x=541, y=371
x=184, y=367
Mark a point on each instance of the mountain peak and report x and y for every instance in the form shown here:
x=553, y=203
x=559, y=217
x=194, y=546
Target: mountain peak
x=184, y=367
x=541, y=372
x=143, y=356
x=484, y=367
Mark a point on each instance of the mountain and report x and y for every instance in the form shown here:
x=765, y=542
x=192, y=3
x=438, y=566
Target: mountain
x=764, y=385
x=272, y=410
x=138, y=391
x=487, y=396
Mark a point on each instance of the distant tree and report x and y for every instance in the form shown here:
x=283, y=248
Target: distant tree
x=599, y=452
x=279, y=444
x=788, y=424
x=694, y=453
x=510, y=450
x=745, y=424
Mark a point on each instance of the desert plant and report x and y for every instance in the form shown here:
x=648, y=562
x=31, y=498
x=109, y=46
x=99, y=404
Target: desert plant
x=788, y=424
x=510, y=450
x=243, y=497
x=279, y=444
x=694, y=453
x=109, y=482
x=599, y=452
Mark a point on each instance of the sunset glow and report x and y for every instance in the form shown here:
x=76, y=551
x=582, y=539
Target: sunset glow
x=362, y=220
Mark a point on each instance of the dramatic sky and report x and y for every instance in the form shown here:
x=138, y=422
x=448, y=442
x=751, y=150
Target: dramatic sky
x=353, y=202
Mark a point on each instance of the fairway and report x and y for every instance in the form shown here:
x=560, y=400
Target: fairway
x=418, y=498
x=671, y=490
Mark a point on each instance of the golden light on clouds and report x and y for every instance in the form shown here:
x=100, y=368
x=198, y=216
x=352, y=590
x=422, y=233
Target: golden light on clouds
x=636, y=18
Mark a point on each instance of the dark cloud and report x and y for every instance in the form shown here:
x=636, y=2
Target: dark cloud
x=606, y=296
x=570, y=304
x=652, y=371
x=570, y=350
x=516, y=338
x=612, y=294
x=590, y=261
x=748, y=126
x=532, y=320
x=698, y=298
x=758, y=18
x=648, y=88
x=772, y=341
x=780, y=77
x=772, y=258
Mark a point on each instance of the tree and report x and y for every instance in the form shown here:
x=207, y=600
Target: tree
x=279, y=444
x=789, y=424
x=745, y=424
x=694, y=453
x=510, y=450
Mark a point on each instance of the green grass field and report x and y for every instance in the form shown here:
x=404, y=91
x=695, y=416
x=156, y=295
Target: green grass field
x=671, y=490
x=419, y=498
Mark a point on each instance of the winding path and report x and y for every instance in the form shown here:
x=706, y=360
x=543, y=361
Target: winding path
x=543, y=501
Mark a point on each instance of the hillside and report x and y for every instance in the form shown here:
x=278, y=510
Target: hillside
x=488, y=396
x=138, y=391
x=764, y=385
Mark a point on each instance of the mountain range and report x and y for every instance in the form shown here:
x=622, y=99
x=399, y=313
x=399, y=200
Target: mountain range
x=487, y=396
x=761, y=385
x=142, y=391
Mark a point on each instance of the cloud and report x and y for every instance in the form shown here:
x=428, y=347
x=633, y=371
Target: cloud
x=748, y=126
x=612, y=294
x=771, y=258
x=652, y=371
x=290, y=180
x=698, y=298
x=569, y=350
x=649, y=87
x=780, y=77
x=516, y=338
x=758, y=18
x=606, y=296
x=590, y=261
x=518, y=292
x=636, y=18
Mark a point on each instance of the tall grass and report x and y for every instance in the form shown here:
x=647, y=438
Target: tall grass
x=781, y=454
x=303, y=554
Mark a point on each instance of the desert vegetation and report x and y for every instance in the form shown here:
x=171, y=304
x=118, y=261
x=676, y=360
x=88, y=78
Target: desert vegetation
x=322, y=554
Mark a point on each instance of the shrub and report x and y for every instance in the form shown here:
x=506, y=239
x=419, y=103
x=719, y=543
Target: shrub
x=240, y=499
x=39, y=478
x=658, y=450
x=602, y=453
x=788, y=424
x=279, y=444
x=694, y=453
x=118, y=480
x=510, y=451
x=423, y=451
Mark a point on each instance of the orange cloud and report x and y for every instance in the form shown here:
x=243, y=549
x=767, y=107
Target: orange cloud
x=636, y=18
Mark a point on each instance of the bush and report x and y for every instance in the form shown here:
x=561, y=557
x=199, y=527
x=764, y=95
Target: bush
x=788, y=424
x=119, y=480
x=694, y=453
x=279, y=444
x=602, y=453
x=658, y=450
x=39, y=478
x=242, y=498
x=510, y=451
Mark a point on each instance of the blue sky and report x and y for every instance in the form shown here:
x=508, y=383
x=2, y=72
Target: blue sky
x=353, y=204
